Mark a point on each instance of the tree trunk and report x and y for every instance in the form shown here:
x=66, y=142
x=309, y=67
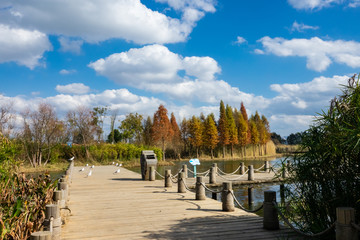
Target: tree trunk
x=163, y=149
x=232, y=150
x=197, y=152
x=224, y=151
x=212, y=153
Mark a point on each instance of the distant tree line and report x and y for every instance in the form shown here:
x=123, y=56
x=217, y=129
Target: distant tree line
x=292, y=139
x=42, y=131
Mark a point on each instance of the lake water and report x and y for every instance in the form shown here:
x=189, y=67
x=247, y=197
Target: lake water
x=250, y=197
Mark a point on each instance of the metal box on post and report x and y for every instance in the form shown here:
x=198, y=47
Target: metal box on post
x=147, y=159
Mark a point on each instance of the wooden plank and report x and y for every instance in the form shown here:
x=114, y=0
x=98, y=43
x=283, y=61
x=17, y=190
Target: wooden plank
x=107, y=206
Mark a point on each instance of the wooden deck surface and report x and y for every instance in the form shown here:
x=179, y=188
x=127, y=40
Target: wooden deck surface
x=122, y=206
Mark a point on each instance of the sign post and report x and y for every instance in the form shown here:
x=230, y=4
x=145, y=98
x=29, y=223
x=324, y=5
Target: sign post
x=194, y=162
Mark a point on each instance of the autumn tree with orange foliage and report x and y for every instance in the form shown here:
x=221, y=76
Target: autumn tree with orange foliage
x=211, y=137
x=176, y=139
x=196, y=131
x=162, y=132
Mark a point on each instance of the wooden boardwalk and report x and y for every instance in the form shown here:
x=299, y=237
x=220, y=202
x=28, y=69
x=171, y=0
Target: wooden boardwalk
x=121, y=206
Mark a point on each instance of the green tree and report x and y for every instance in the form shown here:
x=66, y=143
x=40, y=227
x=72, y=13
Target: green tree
x=99, y=114
x=294, y=138
x=245, y=116
x=131, y=128
x=114, y=136
x=233, y=132
x=254, y=134
x=223, y=128
x=243, y=129
x=147, y=131
x=196, y=132
x=211, y=137
x=326, y=174
x=161, y=130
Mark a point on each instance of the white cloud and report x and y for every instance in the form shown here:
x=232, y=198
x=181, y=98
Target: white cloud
x=97, y=20
x=73, y=88
x=203, y=5
x=68, y=45
x=354, y=3
x=22, y=46
x=297, y=123
x=240, y=40
x=300, y=27
x=259, y=51
x=140, y=67
x=67, y=72
x=312, y=4
x=319, y=53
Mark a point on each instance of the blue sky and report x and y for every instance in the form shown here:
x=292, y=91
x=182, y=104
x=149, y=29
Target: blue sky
x=285, y=59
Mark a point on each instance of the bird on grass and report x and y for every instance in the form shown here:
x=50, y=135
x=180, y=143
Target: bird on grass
x=71, y=158
x=89, y=174
x=81, y=170
x=117, y=171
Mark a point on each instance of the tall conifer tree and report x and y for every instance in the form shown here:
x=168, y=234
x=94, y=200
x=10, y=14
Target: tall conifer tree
x=211, y=137
x=233, y=133
x=223, y=128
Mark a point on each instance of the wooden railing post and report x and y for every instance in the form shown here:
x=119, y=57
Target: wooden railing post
x=42, y=235
x=58, y=198
x=185, y=170
x=152, y=173
x=242, y=168
x=168, y=182
x=267, y=166
x=251, y=173
x=181, y=184
x=271, y=220
x=63, y=187
x=212, y=175
x=344, y=217
x=52, y=221
x=200, y=190
x=227, y=198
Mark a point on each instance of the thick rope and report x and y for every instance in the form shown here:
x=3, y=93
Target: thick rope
x=301, y=232
x=173, y=180
x=210, y=190
x=243, y=208
x=257, y=169
x=191, y=190
x=199, y=173
x=159, y=174
x=357, y=227
x=224, y=173
x=234, y=179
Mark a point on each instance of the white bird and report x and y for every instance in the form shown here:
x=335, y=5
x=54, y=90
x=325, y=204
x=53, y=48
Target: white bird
x=87, y=164
x=89, y=174
x=116, y=164
x=113, y=163
x=120, y=164
x=117, y=171
x=92, y=166
x=81, y=170
x=71, y=158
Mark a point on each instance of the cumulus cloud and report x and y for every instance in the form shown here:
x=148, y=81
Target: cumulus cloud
x=204, y=5
x=298, y=123
x=140, y=67
x=68, y=45
x=22, y=46
x=96, y=20
x=300, y=27
x=354, y=4
x=319, y=53
x=240, y=40
x=67, y=72
x=73, y=88
x=312, y=4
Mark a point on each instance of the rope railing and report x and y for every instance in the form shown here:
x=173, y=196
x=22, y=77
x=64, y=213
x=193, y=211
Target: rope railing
x=243, y=208
x=199, y=173
x=224, y=173
x=210, y=190
x=159, y=174
x=234, y=179
x=357, y=227
x=299, y=231
x=172, y=180
x=257, y=169
x=186, y=186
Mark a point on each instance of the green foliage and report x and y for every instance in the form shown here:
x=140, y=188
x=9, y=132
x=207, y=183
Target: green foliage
x=131, y=128
x=115, y=136
x=294, y=138
x=326, y=175
x=22, y=204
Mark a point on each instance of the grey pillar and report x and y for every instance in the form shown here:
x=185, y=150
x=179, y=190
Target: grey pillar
x=270, y=220
x=58, y=198
x=181, y=184
x=200, y=190
x=250, y=197
x=242, y=168
x=185, y=170
x=64, y=187
x=168, y=182
x=226, y=198
x=152, y=173
x=267, y=166
x=251, y=172
x=42, y=235
x=344, y=217
x=212, y=175
x=52, y=221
